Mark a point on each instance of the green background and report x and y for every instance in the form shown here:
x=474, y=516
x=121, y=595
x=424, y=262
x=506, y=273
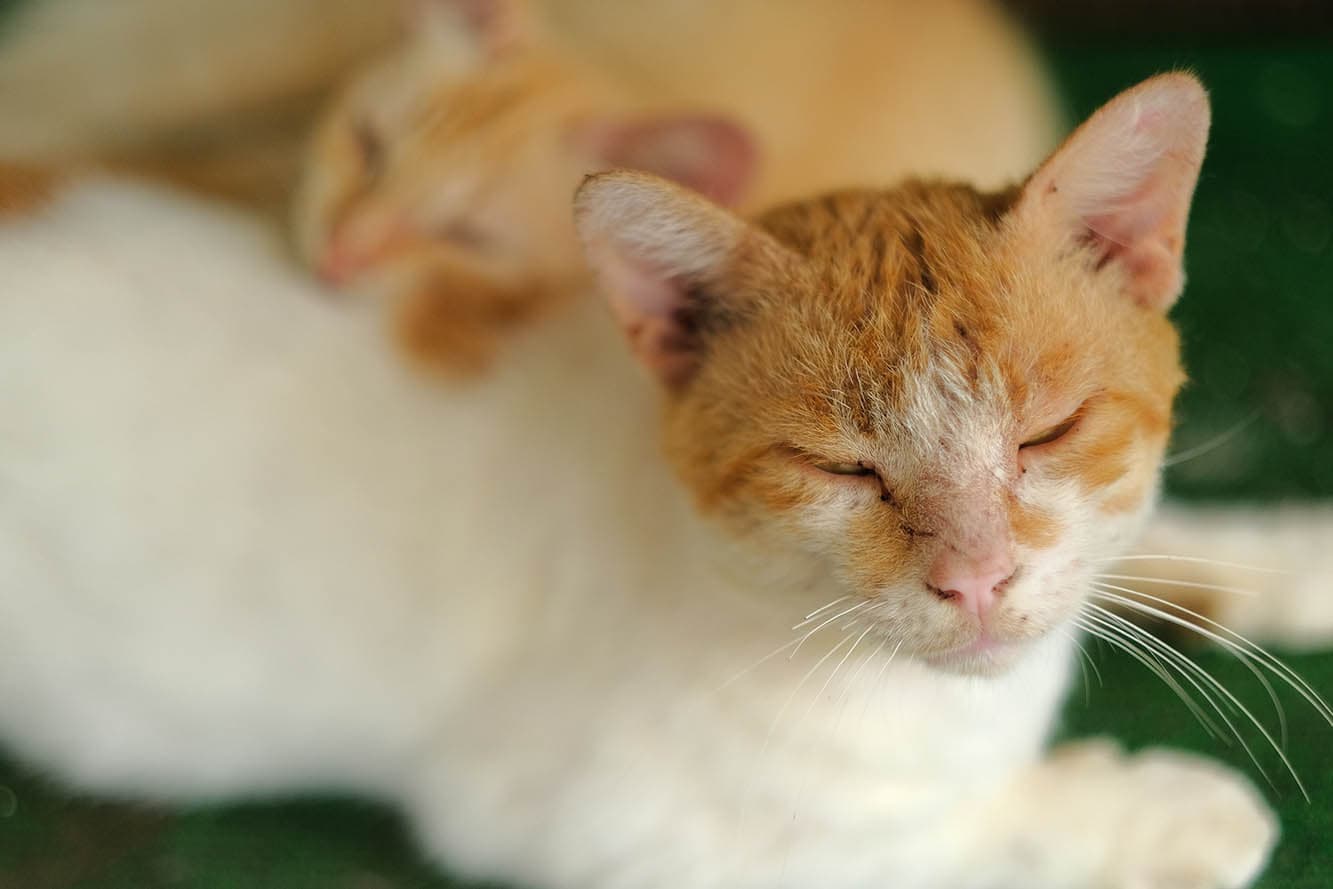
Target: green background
x=1257, y=320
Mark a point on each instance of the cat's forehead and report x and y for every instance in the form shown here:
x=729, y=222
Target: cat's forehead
x=925, y=319
x=841, y=226
x=906, y=306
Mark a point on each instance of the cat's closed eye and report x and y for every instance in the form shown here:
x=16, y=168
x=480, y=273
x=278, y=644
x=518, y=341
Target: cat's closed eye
x=838, y=469
x=464, y=234
x=1052, y=434
x=858, y=470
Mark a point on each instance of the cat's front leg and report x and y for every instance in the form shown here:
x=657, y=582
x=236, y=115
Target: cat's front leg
x=1091, y=816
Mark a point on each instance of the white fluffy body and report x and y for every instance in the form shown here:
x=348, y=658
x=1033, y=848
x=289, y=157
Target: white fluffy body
x=242, y=552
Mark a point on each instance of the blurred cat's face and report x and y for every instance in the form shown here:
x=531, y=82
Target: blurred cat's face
x=433, y=157
x=952, y=406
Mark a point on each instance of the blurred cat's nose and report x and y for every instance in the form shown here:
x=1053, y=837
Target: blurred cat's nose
x=338, y=265
x=973, y=583
x=354, y=249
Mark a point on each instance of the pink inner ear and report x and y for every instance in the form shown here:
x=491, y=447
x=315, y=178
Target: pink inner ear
x=708, y=154
x=650, y=308
x=1146, y=238
x=1124, y=181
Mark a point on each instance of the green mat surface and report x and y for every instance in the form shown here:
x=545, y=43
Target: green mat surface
x=1258, y=323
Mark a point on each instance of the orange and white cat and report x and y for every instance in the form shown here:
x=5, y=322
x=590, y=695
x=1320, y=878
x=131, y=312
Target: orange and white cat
x=244, y=551
x=443, y=175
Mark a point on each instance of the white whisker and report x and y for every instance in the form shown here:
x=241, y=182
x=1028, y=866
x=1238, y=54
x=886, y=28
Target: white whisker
x=1173, y=660
x=840, y=614
x=825, y=607
x=1153, y=665
x=782, y=711
x=823, y=688
x=851, y=680
x=1185, y=662
x=1187, y=584
x=1211, y=444
x=1084, y=661
x=763, y=660
x=875, y=684
x=1234, y=650
x=1258, y=652
x=1164, y=557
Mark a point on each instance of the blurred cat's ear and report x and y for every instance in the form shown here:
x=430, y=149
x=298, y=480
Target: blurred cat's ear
x=666, y=259
x=491, y=26
x=1123, y=184
x=712, y=155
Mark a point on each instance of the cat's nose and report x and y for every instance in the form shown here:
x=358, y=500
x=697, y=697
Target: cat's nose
x=974, y=583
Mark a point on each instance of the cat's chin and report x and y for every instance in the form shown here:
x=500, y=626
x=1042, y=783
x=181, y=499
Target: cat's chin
x=983, y=657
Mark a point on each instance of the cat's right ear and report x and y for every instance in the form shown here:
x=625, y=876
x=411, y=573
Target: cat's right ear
x=1122, y=185
x=490, y=27
x=667, y=260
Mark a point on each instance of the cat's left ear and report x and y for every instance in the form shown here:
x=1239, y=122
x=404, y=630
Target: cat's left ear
x=673, y=266
x=489, y=27
x=1123, y=183
x=707, y=153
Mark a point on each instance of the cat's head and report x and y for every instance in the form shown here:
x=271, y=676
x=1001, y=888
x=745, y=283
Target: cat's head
x=459, y=152
x=952, y=404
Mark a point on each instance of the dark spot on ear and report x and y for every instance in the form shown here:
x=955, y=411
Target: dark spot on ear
x=962, y=331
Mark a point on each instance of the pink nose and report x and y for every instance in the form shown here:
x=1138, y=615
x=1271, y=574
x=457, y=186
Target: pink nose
x=975, y=584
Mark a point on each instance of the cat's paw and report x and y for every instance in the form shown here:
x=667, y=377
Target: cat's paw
x=1191, y=824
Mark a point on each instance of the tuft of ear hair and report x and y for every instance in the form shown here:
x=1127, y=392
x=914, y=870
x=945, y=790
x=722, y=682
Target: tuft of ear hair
x=710, y=154
x=663, y=256
x=1123, y=182
x=491, y=26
